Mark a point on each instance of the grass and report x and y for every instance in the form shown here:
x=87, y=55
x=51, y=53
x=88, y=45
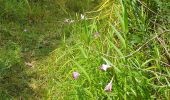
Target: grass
x=132, y=38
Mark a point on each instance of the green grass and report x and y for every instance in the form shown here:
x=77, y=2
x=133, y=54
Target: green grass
x=133, y=39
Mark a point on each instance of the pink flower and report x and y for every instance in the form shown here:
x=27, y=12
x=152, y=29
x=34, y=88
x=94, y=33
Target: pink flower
x=75, y=75
x=108, y=87
x=104, y=67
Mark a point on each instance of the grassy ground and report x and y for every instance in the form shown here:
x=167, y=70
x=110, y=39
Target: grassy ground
x=41, y=48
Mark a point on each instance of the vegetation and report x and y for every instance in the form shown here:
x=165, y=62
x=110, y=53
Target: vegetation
x=44, y=42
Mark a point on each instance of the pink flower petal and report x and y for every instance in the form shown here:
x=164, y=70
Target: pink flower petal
x=76, y=75
x=108, y=87
x=104, y=67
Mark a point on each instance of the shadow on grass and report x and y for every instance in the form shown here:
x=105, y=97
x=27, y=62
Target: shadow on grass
x=15, y=77
x=15, y=83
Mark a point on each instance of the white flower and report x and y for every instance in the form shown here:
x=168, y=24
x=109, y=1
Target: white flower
x=82, y=16
x=69, y=21
x=104, y=67
x=72, y=21
x=29, y=64
x=76, y=75
x=25, y=30
x=108, y=87
x=66, y=20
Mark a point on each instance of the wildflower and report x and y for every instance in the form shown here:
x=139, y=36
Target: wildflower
x=96, y=35
x=104, y=67
x=82, y=16
x=25, y=30
x=108, y=87
x=29, y=64
x=76, y=75
x=72, y=21
x=66, y=20
x=69, y=21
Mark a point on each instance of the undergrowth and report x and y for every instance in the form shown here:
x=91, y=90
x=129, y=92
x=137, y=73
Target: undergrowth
x=123, y=35
x=132, y=37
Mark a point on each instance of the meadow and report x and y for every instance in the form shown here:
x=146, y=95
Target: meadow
x=84, y=49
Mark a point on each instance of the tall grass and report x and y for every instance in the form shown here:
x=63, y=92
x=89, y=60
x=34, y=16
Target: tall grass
x=126, y=42
x=125, y=35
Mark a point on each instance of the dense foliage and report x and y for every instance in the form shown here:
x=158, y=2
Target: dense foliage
x=123, y=42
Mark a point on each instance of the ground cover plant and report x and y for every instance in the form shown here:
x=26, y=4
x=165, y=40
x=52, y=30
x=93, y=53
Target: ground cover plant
x=85, y=50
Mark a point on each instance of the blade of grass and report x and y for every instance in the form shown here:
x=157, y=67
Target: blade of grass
x=147, y=61
x=125, y=17
x=117, y=50
x=83, y=52
x=122, y=40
